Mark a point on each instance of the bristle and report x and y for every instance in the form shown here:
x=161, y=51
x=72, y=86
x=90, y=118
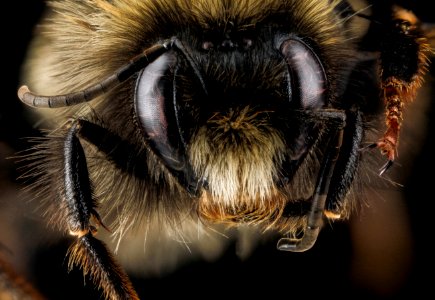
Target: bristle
x=63, y=59
x=92, y=256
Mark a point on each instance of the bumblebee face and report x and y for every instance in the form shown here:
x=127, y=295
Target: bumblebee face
x=228, y=112
x=232, y=115
x=232, y=134
x=235, y=112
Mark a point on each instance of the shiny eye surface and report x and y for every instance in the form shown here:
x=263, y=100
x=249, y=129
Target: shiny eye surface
x=307, y=76
x=153, y=107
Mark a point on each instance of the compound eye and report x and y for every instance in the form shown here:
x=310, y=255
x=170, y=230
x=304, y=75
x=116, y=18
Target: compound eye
x=308, y=78
x=155, y=110
x=157, y=113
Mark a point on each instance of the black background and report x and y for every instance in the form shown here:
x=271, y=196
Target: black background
x=328, y=270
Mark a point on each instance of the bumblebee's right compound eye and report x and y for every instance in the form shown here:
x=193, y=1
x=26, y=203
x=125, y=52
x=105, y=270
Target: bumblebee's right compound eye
x=153, y=105
x=157, y=112
x=307, y=76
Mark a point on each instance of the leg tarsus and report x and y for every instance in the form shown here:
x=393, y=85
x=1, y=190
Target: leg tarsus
x=387, y=149
x=93, y=257
x=88, y=252
x=385, y=167
x=403, y=64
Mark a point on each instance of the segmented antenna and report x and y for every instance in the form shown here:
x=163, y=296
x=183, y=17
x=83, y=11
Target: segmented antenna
x=136, y=64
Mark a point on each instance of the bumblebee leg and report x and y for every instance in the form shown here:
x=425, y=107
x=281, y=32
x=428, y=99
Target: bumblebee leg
x=88, y=252
x=403, y=64
x=317, y=210
x=346, y=165
x=129, y=158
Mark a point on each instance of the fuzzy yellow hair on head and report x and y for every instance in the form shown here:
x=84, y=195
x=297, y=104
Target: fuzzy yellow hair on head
x=186, y=123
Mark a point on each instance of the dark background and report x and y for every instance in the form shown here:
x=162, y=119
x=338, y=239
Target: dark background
x=355, y=259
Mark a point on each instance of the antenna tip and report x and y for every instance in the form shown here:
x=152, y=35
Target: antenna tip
x=22, y=91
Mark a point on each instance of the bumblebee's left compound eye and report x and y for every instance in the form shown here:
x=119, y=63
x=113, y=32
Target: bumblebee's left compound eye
x=307, y=76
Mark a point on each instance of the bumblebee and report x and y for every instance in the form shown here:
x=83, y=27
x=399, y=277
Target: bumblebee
x=212, y=114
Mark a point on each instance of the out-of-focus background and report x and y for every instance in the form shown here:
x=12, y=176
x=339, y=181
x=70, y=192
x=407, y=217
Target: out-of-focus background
x=382, y=253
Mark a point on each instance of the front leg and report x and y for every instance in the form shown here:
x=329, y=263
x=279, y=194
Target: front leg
x=404, y=63
x=87, y=252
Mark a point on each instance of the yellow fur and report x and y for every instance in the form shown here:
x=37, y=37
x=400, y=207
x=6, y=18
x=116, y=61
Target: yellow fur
x=82, y=42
